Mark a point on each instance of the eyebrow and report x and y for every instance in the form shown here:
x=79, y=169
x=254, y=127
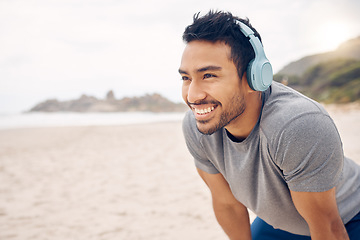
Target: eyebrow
x=204, y=69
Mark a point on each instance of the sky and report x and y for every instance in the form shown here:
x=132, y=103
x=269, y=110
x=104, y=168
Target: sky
x=61, y=49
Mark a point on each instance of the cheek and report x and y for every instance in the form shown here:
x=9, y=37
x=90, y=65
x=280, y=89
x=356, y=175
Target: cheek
x=184, y=92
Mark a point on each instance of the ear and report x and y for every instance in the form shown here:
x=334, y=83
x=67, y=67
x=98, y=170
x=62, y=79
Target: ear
x=245, y=84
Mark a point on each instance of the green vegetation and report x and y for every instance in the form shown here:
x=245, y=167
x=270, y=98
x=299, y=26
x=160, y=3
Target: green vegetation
x=331, y=77
x=334, y=81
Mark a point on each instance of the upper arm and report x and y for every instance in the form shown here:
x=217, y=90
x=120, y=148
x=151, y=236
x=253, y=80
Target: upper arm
x=314, y=206
x=320, y=211
x=230, y=213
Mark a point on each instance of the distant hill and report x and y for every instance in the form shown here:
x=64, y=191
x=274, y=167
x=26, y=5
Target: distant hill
x=332, y=77
x=336, y=81
x=348, y=50
x=149, y=103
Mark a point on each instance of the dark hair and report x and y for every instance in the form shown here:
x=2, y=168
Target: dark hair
x=221, y=26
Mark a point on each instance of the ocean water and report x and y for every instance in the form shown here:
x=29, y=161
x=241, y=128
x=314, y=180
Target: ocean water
x=28, y=120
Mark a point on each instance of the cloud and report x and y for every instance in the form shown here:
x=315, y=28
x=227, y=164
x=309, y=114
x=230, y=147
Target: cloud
x=64, y=48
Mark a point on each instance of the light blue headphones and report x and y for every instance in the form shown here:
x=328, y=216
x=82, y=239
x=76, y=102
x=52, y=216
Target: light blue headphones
x=259, y=71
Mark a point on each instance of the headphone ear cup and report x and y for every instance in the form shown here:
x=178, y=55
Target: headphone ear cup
x=250, y=75
x=266, y=75
x=259, y=74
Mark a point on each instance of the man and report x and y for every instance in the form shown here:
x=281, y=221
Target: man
x=271, y=150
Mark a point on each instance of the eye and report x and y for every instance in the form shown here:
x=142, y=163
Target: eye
x=208, y=75
x=185, y=78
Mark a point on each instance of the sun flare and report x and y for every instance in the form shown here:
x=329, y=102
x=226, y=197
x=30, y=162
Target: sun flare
x=332, y=34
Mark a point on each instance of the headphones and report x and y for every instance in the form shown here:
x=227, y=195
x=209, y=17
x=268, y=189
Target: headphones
x=259, y=71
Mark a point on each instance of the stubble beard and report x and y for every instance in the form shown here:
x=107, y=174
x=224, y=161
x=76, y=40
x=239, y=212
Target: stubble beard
x=226, y=117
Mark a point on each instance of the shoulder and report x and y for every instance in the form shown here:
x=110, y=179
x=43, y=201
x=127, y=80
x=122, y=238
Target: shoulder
x=202, y=147
x=286, y=108
x=189, y=128
x=302, y=137
x=188, y=123
x=196, y=140
x=290, y=118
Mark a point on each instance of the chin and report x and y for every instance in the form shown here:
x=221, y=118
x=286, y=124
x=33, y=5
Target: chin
x=207, y=130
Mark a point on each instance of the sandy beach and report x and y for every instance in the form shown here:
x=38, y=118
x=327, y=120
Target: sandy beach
x=114, y=182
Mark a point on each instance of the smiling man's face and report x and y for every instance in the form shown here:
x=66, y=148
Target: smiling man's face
x=211, y=85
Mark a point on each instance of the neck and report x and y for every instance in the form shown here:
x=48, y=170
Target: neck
x=241, y=127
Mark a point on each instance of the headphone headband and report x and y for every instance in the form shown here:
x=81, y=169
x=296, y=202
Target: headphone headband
x=259, y=71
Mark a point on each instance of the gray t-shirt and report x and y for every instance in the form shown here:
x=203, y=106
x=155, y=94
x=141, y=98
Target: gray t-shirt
x=294, y=145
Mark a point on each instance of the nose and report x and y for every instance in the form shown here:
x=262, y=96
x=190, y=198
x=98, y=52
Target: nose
x=195, y=92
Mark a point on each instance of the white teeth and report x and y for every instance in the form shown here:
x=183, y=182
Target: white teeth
x=204, y=111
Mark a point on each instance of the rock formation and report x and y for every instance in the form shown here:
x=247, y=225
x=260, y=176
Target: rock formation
x=149, y=102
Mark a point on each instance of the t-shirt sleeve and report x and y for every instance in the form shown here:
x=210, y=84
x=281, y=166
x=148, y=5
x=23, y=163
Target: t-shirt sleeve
x=310, y=153
x=192, y=139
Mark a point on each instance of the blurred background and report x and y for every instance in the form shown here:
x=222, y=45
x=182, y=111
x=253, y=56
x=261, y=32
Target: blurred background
x=62, y=49
x=115, y=63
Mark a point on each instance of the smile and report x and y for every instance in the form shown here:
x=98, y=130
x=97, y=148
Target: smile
x=204, y=110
